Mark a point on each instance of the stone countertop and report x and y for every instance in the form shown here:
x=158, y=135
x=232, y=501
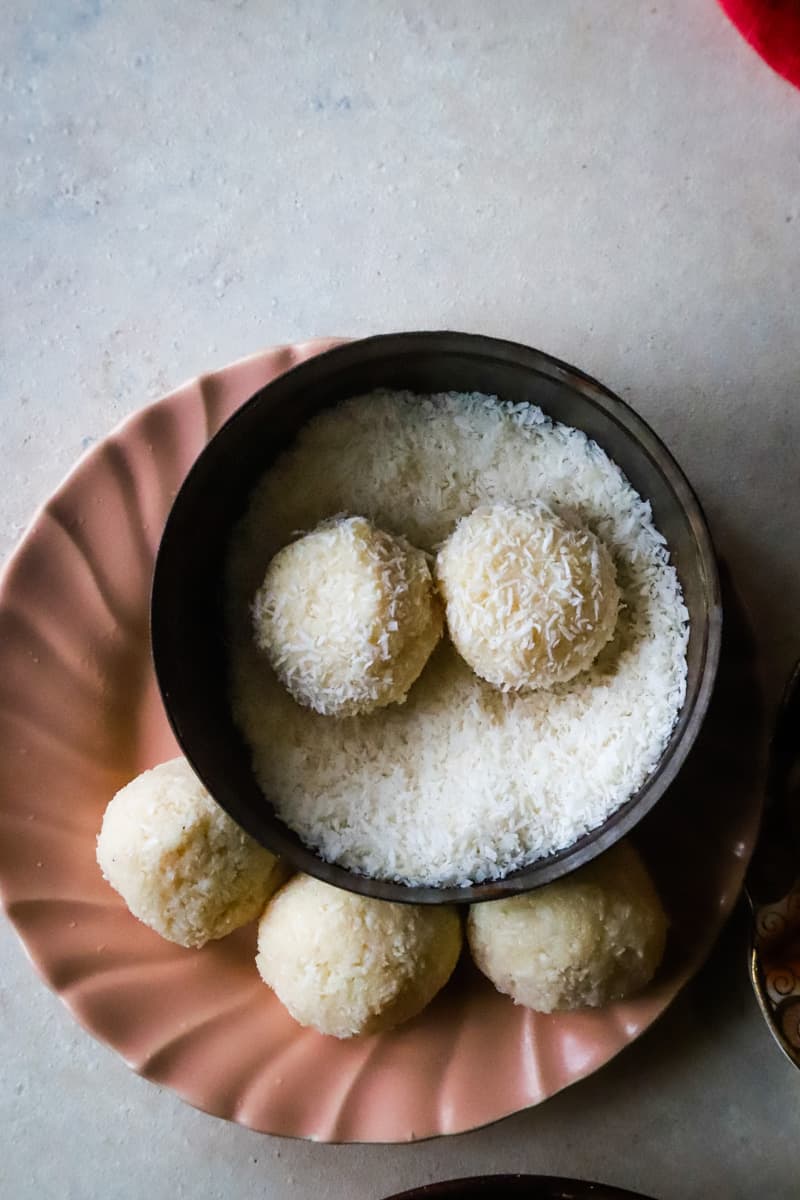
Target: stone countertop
x=617, y=184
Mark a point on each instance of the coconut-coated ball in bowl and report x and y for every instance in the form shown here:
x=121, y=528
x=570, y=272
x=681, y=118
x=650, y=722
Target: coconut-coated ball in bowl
x=531, y=600
x=347, y=616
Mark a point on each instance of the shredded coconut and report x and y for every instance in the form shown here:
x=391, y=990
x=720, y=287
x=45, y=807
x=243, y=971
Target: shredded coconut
x=349, y=965
x=347, y=616
x=463, y=783
x=531, y=601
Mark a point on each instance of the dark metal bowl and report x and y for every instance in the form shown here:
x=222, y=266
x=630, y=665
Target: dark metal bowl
x=517, y=1187
x=189, y=648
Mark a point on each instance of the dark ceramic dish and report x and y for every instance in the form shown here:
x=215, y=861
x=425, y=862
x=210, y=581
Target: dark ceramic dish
x=187, y=604
x=517, y=1187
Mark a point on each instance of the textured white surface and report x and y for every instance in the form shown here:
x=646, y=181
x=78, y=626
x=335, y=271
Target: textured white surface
x=618, y=184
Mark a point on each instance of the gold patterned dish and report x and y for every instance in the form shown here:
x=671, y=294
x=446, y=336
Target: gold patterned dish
x=773, y=884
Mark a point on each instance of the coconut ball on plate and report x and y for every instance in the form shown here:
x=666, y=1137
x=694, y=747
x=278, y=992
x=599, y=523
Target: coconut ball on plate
x=595, y=936
x=350, y=965
x=530, y=600
x=348, y=616
x=180, y=863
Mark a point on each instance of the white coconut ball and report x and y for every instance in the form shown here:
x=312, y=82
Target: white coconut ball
x=348, y=616
x=596, y=936
x=180, y=863
x=530, y=600
x=350, y=965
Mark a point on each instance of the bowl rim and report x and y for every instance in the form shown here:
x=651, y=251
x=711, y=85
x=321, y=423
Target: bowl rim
x=506, y=1186
x=629, y=814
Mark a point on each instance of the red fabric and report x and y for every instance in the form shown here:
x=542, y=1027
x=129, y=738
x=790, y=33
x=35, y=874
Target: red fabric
x=772, y=27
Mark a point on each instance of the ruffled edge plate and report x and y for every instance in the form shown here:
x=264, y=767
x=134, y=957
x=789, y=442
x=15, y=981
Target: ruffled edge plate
x=80, y=715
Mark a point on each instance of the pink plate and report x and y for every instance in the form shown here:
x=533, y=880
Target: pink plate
x=80, y=714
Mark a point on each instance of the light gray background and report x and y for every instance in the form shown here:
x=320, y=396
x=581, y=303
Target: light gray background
x=615, y=182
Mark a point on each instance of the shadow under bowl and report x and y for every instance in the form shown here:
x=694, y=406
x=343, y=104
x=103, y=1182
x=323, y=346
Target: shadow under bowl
x=187, y=611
